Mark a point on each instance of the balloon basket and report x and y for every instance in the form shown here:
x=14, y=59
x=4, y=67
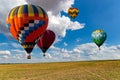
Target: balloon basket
x=28, y=56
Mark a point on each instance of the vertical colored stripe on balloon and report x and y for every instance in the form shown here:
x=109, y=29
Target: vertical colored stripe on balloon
x=35, y=10
x=43, y=12
x=30, y=11
x=20, y=11
x=25, y=9
x=39, y=12
x=12, y=13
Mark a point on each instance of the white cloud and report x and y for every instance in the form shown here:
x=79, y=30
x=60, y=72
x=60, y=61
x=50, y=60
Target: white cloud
x=64, y=50
x=3, y=44
x=88, y=51
x=65, y=44
x=6, y=57
x=5, y=7
x=47, y=55
x=16, y=45
x=55, y=6
x=78, y=40
x=18, y=51
x=18, y=56
x=6, y=52
x=75, y=25
x=59, y=24
x=91, y=51
x=66, y=55
x=54, y=48
x=77, y=51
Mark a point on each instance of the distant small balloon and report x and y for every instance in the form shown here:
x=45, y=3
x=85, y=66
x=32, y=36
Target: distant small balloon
x=99, y=37
x=73, y=12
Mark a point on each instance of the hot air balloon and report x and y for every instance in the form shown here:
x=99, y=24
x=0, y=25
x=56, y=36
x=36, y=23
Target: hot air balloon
x=46, y=40
x=73, y=12
x=99, y=36
x=26, y=23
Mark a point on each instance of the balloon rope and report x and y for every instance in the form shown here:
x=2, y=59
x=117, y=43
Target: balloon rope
x=44, y=54
x=99, y=48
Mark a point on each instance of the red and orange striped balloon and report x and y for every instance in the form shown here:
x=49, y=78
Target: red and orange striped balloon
x=26, y=24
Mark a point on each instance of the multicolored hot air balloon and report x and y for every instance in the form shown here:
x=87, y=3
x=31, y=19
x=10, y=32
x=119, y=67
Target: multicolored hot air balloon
x=73, y=12
x=26, y=23
x=99, y=36
x=46, y=40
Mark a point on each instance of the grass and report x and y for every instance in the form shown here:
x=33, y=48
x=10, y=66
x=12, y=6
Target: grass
x=91, y=70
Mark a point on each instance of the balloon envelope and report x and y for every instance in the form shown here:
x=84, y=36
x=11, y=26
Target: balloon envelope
x=73, y=12
x=46, y=40
x=99, y=36
x=26, y=23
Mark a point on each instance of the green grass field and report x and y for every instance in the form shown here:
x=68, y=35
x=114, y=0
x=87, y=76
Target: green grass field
x=92, y=70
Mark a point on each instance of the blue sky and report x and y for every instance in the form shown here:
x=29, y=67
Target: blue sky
x=73, y=41
x=104, y=14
